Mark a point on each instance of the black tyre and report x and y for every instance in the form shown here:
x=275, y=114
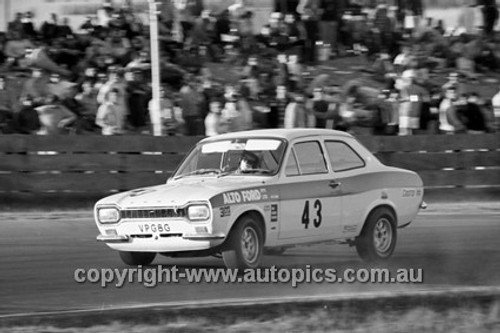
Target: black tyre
x=245, y=245
x=137, y=258
x=377, y=241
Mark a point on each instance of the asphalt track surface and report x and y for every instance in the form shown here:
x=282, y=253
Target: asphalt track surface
x=39, y=252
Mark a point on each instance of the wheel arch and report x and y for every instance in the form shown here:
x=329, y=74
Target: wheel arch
x=257, y=215
x=380, y=205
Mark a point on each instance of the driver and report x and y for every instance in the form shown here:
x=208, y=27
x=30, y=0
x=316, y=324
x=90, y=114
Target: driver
x=248, y=161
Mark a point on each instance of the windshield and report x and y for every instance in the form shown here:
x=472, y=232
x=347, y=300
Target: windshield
x=234, y=157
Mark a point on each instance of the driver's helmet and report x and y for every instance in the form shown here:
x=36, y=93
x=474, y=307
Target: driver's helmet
x=249, y=161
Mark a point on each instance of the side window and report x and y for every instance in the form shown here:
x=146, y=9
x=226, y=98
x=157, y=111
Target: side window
x=310, y=158
x=343, y=157
x=291, y=168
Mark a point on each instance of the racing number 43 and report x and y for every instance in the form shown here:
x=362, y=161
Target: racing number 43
x=317, y=211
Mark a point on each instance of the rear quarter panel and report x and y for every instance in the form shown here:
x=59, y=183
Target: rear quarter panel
x=362, y=193
x=377, y=185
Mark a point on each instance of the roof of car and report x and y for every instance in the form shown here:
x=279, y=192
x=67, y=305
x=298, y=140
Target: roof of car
x=288, y=134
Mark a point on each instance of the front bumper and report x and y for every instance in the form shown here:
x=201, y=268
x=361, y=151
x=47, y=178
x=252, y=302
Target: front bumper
x=127, y=239
x=113, y=239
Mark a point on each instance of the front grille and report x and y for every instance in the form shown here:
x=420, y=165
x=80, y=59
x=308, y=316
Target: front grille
x=152, y=213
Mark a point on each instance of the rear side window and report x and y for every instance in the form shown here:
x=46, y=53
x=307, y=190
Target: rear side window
x=343, y=157
x=310, y=158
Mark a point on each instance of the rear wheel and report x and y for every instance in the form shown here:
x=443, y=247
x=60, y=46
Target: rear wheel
x=137, y=258
x=245, y=245
x=378, y=238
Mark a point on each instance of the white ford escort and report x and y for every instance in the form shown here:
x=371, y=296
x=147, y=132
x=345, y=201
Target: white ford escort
x=246, y=193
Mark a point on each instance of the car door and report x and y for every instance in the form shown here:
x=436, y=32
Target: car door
x=349, y=168
x=310, y=206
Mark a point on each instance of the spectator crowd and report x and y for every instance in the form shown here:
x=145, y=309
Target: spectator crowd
x=97, y=79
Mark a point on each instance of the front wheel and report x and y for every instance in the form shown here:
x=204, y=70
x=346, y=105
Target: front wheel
x=245, y=245
x=377, y=241
x=137, y=258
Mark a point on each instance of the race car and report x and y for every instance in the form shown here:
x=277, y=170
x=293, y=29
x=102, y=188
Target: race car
x=241, y=195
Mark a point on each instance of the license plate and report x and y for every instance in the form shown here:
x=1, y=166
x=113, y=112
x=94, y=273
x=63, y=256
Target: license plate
x=154, y=227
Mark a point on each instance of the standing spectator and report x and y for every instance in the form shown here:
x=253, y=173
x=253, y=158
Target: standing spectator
x=309, y=11
x=213, y=121
x=392, y=103
x=137, y=100
x=16, y=26
x=49, y=29
x=7, y=103
x=87, y=100
x=295, y=72
x=109, y=116
x=496, y=110
x=222, y=27
x=384, y=26
x=185, y=9
x=7, y=99
x=319, y=107
x=472, y=116
x=295, y=32
x=467, y=19
x=27, y=120
x=54, y=117
x=169, y=121
x=282, y=77
x=64, y=30
x=28, y=28
x=413, y=97
x=245, y=120
x=410, y=8
x=105, y=14
x=231, y=114
x=189, y=102
x=329, y=22
x=36, y=86
x=276, y=116
x=115, y=82
x=490, y=15
x=208, y=92
x=167, y=16
x=295, y=113
x=448, y=120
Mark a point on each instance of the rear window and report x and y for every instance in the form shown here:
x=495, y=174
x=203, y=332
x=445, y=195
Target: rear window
x=310, y=158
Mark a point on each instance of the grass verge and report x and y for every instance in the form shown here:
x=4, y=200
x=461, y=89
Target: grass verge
x=448, y=313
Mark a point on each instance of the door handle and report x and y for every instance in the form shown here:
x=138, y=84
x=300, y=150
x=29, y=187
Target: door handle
x=334, y=184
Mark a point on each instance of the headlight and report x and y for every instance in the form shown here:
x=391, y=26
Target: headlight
x=198, y=212
x=108, y=215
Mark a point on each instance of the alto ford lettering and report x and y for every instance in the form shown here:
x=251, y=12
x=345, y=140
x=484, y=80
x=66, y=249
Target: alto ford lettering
x=242, y=195
x=232, y=197
x=246, y=196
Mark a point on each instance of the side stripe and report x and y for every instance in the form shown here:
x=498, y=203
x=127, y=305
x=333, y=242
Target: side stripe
x=318, y=189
